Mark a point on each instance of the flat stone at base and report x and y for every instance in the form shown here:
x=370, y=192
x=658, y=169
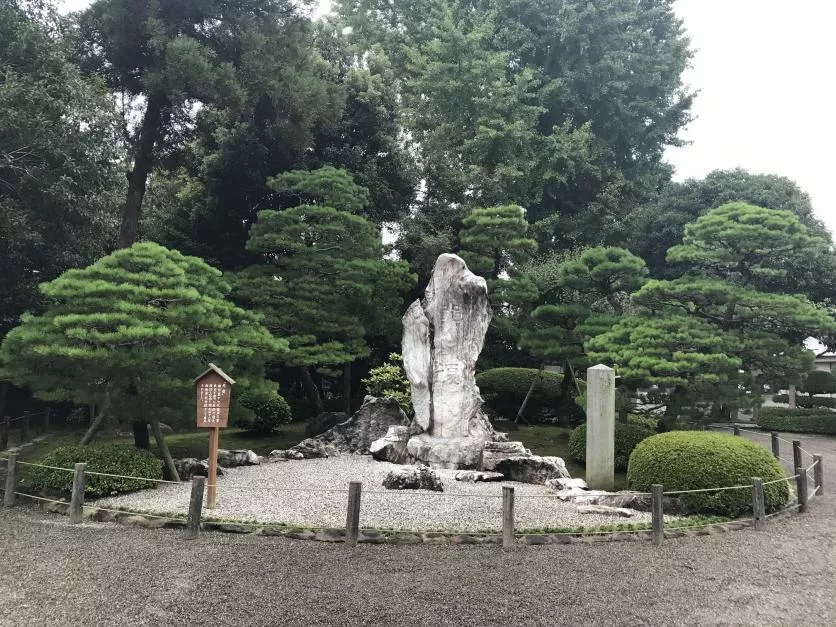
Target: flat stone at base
x=532, y=469
x=449, y=453
x=472, y=476
x=495, y=452
x=566, y=483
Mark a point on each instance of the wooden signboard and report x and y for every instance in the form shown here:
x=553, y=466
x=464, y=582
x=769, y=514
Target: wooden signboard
x=213, y=389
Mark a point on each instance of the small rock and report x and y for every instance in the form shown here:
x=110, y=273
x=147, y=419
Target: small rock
x=623, y=512
x=392, y=446
x=239, y=457
x=566, y=483
x=532, y=469
x=190, y=467
x=285, y=455
x=444, y=452
x=566, y=495
x=632, y=500
x=471, y=476
x=413, y=478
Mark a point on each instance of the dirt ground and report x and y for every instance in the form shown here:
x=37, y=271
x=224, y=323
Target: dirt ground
x=52, y=573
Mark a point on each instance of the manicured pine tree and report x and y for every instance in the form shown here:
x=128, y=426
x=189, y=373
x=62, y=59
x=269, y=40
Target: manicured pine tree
x=131, y=331
x=322, y=281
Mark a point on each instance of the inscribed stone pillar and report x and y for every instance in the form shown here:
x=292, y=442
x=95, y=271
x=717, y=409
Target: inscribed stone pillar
x=600, y=427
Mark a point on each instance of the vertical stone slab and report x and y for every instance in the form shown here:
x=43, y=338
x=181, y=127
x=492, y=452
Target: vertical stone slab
x=600, y=427
x=417, y=361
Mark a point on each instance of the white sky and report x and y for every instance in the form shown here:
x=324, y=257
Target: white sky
x=761, y=68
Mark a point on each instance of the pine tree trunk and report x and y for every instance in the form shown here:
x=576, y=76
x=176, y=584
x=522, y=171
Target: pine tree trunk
x=173, y=475
x=4, y=390
x=138, y=178
x=347, y=387
x=311, y=390
x=142, y=438
x=95, y=423
x=531, y=387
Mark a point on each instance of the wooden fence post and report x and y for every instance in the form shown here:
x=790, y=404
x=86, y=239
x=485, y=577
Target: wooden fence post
x=24, y=428
x=45, y=425
x=77, y=498
x=818, y=476
x=797, y=460
x=507, y=517
x=776, y=444
x=195, y=507
x=758, y=506
x=656, y=491
x=5, y=428
x=801, y=488
x=352, y=519
x=736, y=430
x=11, y=481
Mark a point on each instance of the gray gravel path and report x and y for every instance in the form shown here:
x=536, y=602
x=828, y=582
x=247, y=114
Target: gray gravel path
x=55, y=574
x=260, y=493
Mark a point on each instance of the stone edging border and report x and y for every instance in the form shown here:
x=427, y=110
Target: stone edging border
x=371, y=536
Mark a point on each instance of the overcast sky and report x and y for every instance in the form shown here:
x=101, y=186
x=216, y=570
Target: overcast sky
x=761, y=68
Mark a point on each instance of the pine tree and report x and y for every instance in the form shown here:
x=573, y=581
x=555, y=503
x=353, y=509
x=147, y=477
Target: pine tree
x=130, y=332
x=322, y=281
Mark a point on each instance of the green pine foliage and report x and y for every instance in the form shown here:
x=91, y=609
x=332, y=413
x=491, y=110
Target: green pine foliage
x=389, y=379
x=136, y=466
x=627, y=437
x=693, y=460
x=131, y=331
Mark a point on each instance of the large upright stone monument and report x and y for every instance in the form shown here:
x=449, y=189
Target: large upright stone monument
x=443, y=336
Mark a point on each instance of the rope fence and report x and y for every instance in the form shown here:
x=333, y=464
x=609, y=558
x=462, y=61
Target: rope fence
x=509, y=535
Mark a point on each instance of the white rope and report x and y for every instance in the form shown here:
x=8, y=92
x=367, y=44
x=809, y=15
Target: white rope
x=732, y=487
x=40, y=498
x=107, y=474
x=43, y=466
x=766, y=483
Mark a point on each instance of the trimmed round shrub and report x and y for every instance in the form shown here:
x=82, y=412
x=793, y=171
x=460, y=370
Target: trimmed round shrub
x=505, y=388
x=693, y=460
x=265, y=415
x=627, y=436
x=115, y=459
x=818, y=382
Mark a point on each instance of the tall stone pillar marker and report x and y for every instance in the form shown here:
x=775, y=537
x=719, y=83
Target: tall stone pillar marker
x=600, y=427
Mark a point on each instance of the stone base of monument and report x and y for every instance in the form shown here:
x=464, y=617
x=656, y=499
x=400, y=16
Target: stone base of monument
x=447, y=453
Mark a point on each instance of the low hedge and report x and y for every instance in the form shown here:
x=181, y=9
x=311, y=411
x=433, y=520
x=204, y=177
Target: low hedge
x=115, y=459
x=505, y=388
x=798, y=420
x=806, y=401
x=627, y=436
x=693, y=460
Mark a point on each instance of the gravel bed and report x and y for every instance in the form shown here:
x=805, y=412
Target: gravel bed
x=313, y=493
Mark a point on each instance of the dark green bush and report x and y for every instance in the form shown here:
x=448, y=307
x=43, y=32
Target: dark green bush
x=693, y=460
x=505, y=388
x=642, y=420
x=115, y=459
x=798, y=420
x=818, y=382
x=627, y=436
x=265, y=415
x=807, y=401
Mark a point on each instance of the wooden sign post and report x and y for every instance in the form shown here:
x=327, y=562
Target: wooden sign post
x=213, y=389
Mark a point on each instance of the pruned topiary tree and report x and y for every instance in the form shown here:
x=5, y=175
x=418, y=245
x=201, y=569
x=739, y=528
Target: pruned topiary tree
x=130, y=332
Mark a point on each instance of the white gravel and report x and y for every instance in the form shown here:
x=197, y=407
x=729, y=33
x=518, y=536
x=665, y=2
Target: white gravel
x=313, y=493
